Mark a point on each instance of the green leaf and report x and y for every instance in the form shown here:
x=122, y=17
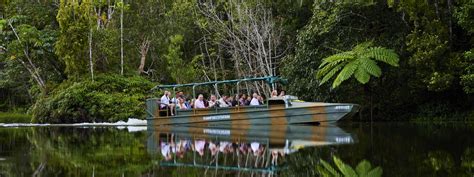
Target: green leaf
x=344, y=168
x=363, y=168
x=3, y=23
x=346, y=73
x=361, y=75
x=337, y=58
x=371, y=67
x=384, y=55
x=360, y=48
x=331, y=73
x=329, y=168
x=324, y=71
x=376, y=172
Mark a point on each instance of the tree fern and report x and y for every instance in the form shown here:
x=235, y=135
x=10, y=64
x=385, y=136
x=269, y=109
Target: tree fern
x=360, y=62
x=370, y=66
x=337, y=58
x=363, y=169
x=344, y=168
x=346, y=73
x=361, y=75
x=384, y=55
x=331, y=73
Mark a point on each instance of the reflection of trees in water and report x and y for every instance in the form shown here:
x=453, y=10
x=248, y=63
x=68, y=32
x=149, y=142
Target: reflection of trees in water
x=13, y=145
x=401, y=150
x=437, y=150
x=82, y=152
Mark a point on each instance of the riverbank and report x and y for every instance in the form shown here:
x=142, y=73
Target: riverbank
x=7, y=117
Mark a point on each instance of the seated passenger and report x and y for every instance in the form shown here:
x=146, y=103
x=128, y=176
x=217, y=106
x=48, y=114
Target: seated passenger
x=213, y=102
x=260, y=100
x=181, y=105
x=175, y=99
x=165, y=102
x=188, y=103
x=248, y=100
x=274, y=93
x=199, y=103
x=235, y=100
x=242, y=100
x=223, y=101
x=191, y=104
x=254, y=101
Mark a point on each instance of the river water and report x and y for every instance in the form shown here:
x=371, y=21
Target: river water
x=400, y=149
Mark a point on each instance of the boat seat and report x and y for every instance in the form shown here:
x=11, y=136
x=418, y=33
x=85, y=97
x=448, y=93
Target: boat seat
x=163, y=112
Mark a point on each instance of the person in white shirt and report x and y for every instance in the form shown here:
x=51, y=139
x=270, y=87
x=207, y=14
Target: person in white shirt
x=213, y=101
x=165, y=102
x=254, y=101
x=199, y=103
x=223, y=101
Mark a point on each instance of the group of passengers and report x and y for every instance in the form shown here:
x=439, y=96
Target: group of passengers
x=179, y=102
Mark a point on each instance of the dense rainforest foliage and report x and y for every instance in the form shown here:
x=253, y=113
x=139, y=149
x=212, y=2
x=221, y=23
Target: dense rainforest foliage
x=95, y=60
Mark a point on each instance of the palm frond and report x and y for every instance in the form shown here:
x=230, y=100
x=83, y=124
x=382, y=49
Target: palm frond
x=388, y=56
x=345, y=73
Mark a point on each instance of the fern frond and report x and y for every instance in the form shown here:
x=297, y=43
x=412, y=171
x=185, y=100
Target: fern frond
x=388, y=56
x=323, y=71
x=361, y=75
x=346, y=73
x=328, y=168
x=360, y=48
x=337, y=58
x=344, y=168
x=363, y=168
x=376, y=172
x=370, y=67
x=331, y=73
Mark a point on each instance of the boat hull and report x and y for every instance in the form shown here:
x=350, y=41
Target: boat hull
x=297, y=113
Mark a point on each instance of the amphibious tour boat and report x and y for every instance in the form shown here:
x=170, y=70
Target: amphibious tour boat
x=276, y=111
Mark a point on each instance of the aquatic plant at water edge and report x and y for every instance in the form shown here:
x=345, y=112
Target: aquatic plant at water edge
x=363, y=169
x=6, y=117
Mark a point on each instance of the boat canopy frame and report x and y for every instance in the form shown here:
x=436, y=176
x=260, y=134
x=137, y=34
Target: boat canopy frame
x=268, y=79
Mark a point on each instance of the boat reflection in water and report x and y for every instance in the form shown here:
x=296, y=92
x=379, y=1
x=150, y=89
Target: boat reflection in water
x=256, y=149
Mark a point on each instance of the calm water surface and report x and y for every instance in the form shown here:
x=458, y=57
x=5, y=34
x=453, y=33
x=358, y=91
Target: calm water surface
x=401, y=149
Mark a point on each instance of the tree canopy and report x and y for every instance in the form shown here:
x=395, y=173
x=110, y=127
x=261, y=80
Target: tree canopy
x=45, y=44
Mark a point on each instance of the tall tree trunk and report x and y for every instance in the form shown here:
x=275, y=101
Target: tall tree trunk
x=121, y=41
x=143, y=52
x=30, y=66
x=91, y=64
